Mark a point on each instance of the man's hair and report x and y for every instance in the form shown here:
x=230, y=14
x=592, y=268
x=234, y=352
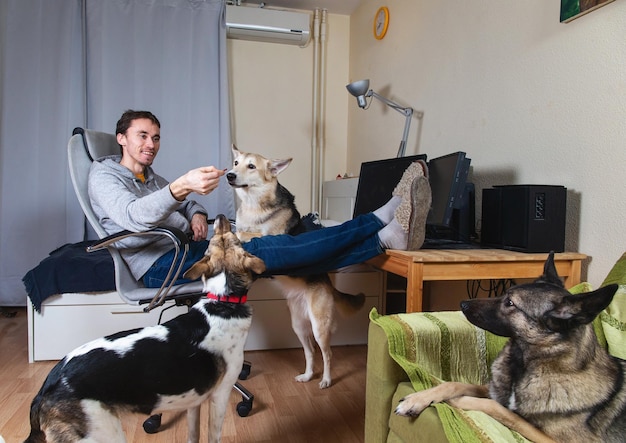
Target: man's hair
x=127, y=119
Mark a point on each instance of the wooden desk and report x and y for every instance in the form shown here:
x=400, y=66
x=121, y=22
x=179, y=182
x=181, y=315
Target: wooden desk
x=470, y=264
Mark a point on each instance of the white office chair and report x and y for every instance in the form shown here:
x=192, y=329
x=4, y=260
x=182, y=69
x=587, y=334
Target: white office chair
x=83, y=148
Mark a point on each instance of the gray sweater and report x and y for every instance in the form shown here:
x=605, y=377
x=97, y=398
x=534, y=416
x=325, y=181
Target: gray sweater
x=121, y=201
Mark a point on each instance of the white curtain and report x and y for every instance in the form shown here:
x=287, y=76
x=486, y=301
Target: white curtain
x=68, y=63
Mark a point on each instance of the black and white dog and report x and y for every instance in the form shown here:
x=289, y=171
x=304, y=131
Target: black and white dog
x=173, y=366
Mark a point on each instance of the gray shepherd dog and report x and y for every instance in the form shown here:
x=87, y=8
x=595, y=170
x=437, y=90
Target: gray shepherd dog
x=552, y=381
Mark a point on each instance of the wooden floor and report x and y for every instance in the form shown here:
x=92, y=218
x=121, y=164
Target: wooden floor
x=283, y=411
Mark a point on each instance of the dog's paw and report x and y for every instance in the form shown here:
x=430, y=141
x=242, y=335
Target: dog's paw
x=303, y=378
x=412, y=405
x=325, y=383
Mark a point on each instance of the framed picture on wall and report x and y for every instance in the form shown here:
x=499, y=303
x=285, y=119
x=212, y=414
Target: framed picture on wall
x=572, y=9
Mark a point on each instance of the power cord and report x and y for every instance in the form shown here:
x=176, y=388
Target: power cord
x=493, y=288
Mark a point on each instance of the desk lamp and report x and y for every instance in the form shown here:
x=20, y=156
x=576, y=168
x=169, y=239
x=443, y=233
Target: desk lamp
x=360, y=89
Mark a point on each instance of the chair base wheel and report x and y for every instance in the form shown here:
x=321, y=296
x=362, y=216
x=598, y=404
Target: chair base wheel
x=152, y=424
x=244, y=407
x=245, y=370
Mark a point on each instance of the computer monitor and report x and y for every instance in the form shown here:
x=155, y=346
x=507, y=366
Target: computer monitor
x=448, y=175
x=377, y=181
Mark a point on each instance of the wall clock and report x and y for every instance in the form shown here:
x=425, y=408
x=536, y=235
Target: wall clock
x=381, y=22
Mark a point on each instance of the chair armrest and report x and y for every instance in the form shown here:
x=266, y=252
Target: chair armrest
x=177, y=236
x=180, y=242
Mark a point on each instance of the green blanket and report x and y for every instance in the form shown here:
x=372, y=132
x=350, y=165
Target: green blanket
x=444, y=346
x=610, y=325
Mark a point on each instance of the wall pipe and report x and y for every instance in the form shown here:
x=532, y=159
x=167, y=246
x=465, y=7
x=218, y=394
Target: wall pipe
x=322, y=109
x=315, y=115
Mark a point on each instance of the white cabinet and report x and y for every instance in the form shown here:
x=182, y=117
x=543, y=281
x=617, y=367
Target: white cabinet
x=271, y=321
x=338, y=198
x=67, y=321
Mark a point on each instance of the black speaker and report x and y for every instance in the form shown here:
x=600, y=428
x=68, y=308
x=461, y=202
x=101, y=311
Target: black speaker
x=527, y=218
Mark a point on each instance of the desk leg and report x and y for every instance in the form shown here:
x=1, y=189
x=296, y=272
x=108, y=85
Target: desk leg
x=415, y=288
x=573, y=276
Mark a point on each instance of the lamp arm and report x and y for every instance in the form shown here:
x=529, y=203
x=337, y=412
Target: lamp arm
x=391, y=104
x=407, y=112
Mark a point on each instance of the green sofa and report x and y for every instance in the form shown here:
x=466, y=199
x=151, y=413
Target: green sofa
x=409, y=352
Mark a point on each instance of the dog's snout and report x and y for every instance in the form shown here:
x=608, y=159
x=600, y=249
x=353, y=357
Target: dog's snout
x=221, y=224
x=231, y=176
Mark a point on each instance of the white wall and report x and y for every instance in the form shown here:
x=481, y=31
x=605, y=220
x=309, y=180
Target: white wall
x=531, y=100
x=272, y=95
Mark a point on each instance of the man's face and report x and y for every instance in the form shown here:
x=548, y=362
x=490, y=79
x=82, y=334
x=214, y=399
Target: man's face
x=140, y=144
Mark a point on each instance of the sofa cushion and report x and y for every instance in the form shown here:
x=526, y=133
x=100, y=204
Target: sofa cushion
x=613, y=321
x=617, y=274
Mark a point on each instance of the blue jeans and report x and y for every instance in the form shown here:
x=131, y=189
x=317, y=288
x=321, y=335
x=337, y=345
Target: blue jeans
x=314, y=252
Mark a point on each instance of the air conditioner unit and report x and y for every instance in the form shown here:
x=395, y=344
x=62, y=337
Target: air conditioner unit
x=268, y=25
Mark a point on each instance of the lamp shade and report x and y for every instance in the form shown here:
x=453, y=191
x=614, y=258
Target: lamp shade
x=359, y=88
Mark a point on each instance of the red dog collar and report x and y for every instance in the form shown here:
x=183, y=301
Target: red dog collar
x=228, y=298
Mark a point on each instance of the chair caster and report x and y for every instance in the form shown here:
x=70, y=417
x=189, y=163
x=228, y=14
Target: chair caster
x=245, y=405
x=245, y=370
x=152, y=424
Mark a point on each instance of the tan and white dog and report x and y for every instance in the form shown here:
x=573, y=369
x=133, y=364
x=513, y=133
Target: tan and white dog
x=268, y=208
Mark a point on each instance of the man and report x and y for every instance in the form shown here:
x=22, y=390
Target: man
x=125, y=193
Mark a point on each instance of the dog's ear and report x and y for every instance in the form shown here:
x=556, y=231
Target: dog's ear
x=550, y=274
x=235, y=151
x=579, y=309
x=277, y=166
x=199, y=268
x=254, y=263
